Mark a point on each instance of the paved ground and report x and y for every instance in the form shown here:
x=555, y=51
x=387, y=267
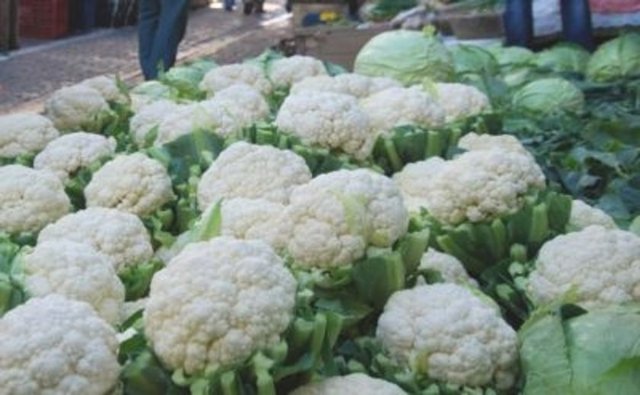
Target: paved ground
x=28, y=76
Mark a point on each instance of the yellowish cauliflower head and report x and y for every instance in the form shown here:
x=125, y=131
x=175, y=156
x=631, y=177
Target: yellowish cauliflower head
x=132, y=183
x=450, y=334
x=223, y=77
x=30, y=199
x=24, y=134
x=217, y=303
x=348, y=385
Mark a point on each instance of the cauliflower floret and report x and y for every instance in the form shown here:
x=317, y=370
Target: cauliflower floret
x=328, y=120
x=57, y=346
x=108, y=88
x=71, y=152
x=287, y=71
x=348, y=385
x=252, y=219
x=30, y=199
x=77, y=272
x=131, y=308
x=218, y=302
x=395, y=107
x=149, y=117
x=460, y=100
x=596, y=266
x=450, y=268
x=132, y=183
x=223, y=77
x=149, y=92
x=254, y=172
x=76, y=108
x=184, y=120
x=356, y=85
x=24, y=133
x=475, y=186
x=117, y=234
x=450, y=334
x=486, y=142
x=388, y=218
x=235, y=108
x=583, y=216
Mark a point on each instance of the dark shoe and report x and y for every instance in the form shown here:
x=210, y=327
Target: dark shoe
x=248, y=7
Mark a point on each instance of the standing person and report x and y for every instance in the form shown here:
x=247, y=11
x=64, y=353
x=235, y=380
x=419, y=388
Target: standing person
x=229, y=4
x=161, y=27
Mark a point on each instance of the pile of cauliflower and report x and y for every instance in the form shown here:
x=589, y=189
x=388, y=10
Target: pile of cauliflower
x=273, y=243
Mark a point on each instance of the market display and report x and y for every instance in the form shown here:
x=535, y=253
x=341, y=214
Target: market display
x=444, y=220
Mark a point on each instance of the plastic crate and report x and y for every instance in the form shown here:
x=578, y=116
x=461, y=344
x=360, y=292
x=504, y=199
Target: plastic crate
x=44, y=19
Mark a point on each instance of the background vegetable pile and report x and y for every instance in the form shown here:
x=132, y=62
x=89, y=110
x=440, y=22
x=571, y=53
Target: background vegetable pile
x=442, y=221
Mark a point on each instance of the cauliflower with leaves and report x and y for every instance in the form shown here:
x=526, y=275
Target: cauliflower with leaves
x=460, y=100
x=223, y=77
x=148, y=118
x=450, y=269
x=24, y=134
x=184, y=120
x=287, y=71
x=78, y=108
x=108, y=88
x=235, y=108
x=583, y=216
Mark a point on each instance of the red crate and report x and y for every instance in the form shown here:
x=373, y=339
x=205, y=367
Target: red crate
x=44, y=18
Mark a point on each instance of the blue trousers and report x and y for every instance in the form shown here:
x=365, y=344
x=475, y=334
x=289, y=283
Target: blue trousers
x=161, y=27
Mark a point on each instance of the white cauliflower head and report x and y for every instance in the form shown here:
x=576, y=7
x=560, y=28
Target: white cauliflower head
x=253, y=219
x=69, y=153
x=24, y=134
x=327, y=120
x=223, y=77
x=252, y=171
x=395, y=107
x=487, y=142
x=450, y=334
x=149, y=117
x=76, y=108
x=117, y=234
x=583, y=216
x=77, y=272
x=183, y=120
x=460, y=100
x=108, y=88
x=235, y=108
x=287, y=71
x=595, y=266
x=217, y=303
x=356, y=85
x=58, y=347
x=30, y=199
x=132, y=183
x=349, y=384
x=449, y=267
x=475, y=186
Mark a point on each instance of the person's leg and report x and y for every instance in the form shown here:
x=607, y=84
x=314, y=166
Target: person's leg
x=228, y=5
x=518, y=22
x=173, y=24
x=148, y=18
x=576, y=22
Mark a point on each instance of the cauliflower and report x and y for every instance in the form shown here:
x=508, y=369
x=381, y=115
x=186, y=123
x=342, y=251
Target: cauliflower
x=150, y=116
x=24, y=134
x=450, y=334
x=332, y=219
x=395, y=107
x=356, y=85
x=76, y=271
x=595, y=266
x=108, y=88
x=30, y=199
x=132, y=183
x=287, y=71
x=460, y=100
x=223, y=77
x=449, y=267
x=350, y=384
x=254, y=172
x=76, y=108
x=56, y=346
x=67, y=154
x=328, y=120
x=117, y=234
x=149, y=92
x=486, y=142
x=217, y=303
x=475, y=186
x=583, y=216
x=251, y=219
x=184, y=120
x=235, y=108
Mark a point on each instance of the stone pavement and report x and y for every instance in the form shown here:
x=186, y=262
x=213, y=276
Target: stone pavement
x=29, y=75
